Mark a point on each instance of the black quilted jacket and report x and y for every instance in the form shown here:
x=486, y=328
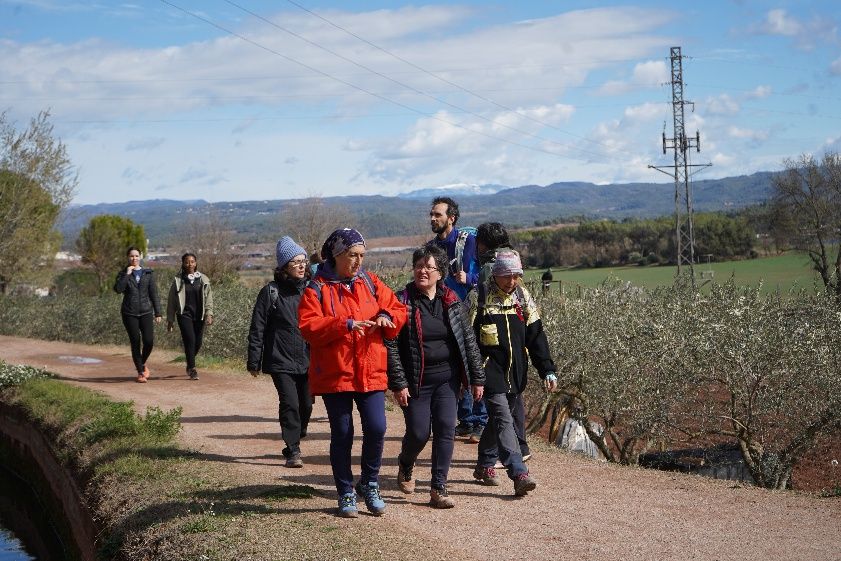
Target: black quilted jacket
x=139, y=298
x=405, y=354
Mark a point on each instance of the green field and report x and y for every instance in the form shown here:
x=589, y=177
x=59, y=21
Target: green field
x=776, y=273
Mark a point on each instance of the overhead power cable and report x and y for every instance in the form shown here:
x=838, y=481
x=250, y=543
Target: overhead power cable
x=437, y=76
x=413, y=89
x=351, y=85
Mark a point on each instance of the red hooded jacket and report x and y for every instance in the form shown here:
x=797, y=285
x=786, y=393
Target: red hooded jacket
x=342, y=360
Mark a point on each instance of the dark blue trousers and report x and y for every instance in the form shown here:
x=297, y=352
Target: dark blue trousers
x=371, y=407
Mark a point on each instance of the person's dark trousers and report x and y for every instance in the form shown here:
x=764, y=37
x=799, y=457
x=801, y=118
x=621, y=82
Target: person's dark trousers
x=500, y=431
x=519, y=415
x=371, y=407
x=191, y=335
x=141, y=330
x=438, y=399
x=293, y=410
x=472, y=413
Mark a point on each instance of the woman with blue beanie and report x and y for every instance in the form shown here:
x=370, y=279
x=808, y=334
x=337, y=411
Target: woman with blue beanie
x=275, y=345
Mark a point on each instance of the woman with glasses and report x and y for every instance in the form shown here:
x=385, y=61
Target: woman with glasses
x=276, y=347
x=345, y=314
x=433, y=358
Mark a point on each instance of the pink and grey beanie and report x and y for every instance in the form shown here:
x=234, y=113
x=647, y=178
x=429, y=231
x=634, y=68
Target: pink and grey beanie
x=340, y=241
x=507, y=263
x=287, y=250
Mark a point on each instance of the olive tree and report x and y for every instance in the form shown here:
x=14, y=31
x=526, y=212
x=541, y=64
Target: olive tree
x=769, y=372
x=807, y=207
x=619, y=357
x=38, y=181
x=103, y=243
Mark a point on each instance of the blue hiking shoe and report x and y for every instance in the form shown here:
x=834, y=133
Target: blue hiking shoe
x=347, y=505
x=371, y=493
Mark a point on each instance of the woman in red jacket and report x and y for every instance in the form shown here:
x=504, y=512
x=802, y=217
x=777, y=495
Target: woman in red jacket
x=345, y=313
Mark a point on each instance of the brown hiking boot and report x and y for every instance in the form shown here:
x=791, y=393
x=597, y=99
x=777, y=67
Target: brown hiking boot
x=440, y=498
x=141, y=379
x=523, y=483
x=404, y=478
x=146, y=372
x=486, y=475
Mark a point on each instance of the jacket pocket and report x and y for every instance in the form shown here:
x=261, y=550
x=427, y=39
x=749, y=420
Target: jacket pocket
x=489, y=335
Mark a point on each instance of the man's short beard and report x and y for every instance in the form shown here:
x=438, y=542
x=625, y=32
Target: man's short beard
x=438, y=229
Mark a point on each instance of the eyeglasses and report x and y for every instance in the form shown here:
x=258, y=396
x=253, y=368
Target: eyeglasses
x=298, y=262
x=425, y=268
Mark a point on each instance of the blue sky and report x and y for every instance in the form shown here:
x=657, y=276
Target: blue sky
x=249, y=100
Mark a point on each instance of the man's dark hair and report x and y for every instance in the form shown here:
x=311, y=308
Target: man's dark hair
x=452, y=207
x=492, y=235
x=438, y=254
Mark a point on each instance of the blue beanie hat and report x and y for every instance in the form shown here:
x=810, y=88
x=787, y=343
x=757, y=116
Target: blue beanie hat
x=340, y=241
x=287, y=250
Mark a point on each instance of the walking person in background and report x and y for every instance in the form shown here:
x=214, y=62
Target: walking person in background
x=510, y=332
x=434, y=357
x=461, y=276
x=345, y=314
x=140, y=310
x=546, y=280
x=276, y=347
x=190, y=302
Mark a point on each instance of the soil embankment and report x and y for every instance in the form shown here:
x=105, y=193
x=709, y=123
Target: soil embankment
x=580, y=510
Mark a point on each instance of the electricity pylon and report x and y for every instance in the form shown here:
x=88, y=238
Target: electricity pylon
x=680, y=143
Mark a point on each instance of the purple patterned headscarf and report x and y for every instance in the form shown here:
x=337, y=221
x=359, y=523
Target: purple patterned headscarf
x=340, y=241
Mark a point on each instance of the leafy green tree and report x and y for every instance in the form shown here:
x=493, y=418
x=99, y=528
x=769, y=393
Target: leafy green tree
x=807, y=204
x=27, y=216
x=38, y=181
x=103, y=243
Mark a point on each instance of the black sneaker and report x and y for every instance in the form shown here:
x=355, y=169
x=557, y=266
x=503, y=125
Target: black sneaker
x=193, y=374
x=464, y=429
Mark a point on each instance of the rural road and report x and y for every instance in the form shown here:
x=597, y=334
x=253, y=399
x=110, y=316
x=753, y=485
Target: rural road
x=582, y=509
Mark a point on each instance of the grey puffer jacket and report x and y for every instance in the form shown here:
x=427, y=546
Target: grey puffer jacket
x=139, y=298
x=405, y=353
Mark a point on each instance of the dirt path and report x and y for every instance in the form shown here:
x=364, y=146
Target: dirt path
x=581, y=509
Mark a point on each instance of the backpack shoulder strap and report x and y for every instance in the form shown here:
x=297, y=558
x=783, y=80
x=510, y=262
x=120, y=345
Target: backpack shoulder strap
x=461, y=241
x=316, y=285
x=369, y=282
x=274, y=296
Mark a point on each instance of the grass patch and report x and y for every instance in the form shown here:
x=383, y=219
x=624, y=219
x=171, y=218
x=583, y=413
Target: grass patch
x=779, y=273
x=153, y=500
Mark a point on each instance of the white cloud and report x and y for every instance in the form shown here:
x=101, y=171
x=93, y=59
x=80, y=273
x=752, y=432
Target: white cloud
x=778, y=22
x=647, y=112
x=835, y=67
x=649, y=74
x=760, y=92
x=721, y=105
x=807, y=35
x=747, y=134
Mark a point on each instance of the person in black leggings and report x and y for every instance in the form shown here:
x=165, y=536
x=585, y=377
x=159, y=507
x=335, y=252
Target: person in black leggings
x=190, y=301
x=434, y=356
x=140, y=302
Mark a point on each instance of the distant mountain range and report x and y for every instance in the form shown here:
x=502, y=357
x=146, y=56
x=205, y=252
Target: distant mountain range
x=406, y=214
